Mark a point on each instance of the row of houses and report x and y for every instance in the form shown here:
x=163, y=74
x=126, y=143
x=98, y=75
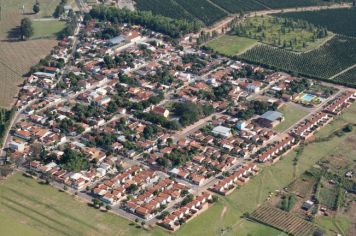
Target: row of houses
x=273, y=151
x=155, y=199
x=186, y=212
x=340, y=103
x=238, y=177
x=306, y=128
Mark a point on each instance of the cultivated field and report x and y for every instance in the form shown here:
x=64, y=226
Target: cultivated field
x=167, y=8
x=235, y=6
x=340, y=21
x=333, y=57
x=348, y=76
x=231, y=45
x=16, y=57
x=284, y=221
x=184, y=9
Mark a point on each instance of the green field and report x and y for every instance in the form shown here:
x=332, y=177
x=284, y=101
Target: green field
x=230, y=45
x=338, y=223
x=27, y=206
x=292, y=114
x=47, y=29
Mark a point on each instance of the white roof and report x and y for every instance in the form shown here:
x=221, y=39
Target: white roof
x=221, y=129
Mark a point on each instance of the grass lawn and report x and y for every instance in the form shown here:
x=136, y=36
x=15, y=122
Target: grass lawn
x=231, y=45
x=328, y=196
x=47, y=29
x=333, y=225
x=292, y=114
x=36, y=209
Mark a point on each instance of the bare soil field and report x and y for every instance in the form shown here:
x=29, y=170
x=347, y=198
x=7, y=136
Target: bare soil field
x=16, y=57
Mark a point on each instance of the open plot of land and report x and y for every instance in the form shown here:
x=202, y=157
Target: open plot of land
x=328, y=195
x=335, y=224
x=292, y=114
x=303, y=185
x=231, y=45
x=16, y=57
x=42, y=210
x=47, y=29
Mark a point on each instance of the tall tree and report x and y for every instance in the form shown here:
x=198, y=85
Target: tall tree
x=36, y=8
x=26, y=28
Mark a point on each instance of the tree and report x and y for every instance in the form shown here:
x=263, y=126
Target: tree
x=26, y=28
x=36, y=8
x=74, y=161
x=58, y=11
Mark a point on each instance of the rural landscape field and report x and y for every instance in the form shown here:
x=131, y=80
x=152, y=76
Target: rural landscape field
x=178, y=117
x=24, y=53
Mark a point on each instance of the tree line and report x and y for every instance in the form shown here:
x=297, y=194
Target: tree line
x=172, y=27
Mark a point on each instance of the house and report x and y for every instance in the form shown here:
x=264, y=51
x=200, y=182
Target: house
x=161, y=111
x=270, y=119
x=17, y=146
x=222, y=131
x=119, y=40
x=241, y=125
x=307, y=205
x=23, y=134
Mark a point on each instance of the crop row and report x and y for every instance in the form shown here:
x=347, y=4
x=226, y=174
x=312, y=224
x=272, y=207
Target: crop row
x=277, y=4
x=167, y=8
x=284, y=221
x=203, y=10
x=333, y=57
x=235, y=6
x=340, y=21
x=348, y=77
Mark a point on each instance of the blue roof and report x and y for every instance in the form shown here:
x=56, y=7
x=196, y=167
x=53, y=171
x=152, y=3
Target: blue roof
x=272, y=115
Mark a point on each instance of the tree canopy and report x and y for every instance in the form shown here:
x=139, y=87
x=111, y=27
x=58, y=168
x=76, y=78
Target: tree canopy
x=26, y=28
x=172, y=27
